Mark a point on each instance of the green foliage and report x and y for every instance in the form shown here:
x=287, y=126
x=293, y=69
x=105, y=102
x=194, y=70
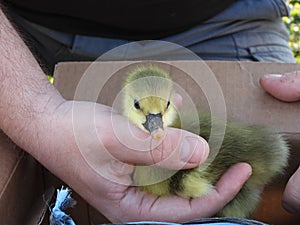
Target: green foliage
x=293, y=24
x=50, y=78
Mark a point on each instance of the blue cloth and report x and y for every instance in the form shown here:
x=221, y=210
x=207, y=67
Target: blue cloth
x=63, y=202
x=248, y=30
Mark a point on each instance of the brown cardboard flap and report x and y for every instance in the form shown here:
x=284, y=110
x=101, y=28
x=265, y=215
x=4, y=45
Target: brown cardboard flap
x=10, y=156
x=20, y=183
x=235, y=83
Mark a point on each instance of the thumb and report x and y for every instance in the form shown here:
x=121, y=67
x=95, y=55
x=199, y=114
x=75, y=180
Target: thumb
x=285, y=87
x=178, y=149
x=291, y=195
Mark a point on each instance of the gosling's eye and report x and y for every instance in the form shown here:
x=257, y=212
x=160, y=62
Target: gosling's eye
x=137, y=104
x=168, y=104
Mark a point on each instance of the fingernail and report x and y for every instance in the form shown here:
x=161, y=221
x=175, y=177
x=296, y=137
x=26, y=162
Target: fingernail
x=190, y=150
x=273, y=75
x=289, y=208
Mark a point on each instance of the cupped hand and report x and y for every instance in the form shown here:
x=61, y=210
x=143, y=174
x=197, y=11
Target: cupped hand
x=93, y=149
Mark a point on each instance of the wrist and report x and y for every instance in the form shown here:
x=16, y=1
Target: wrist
x=39, y=138
x=30, y=124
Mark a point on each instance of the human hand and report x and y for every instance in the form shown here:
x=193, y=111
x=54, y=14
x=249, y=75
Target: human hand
x=291, y=194
x=286, y=87
x=100, y=171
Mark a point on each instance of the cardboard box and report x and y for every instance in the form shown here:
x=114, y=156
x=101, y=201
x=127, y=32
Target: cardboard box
x=20, y=183
x=223, y=87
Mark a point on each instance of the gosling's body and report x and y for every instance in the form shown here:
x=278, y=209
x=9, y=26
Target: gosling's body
x=265, y=151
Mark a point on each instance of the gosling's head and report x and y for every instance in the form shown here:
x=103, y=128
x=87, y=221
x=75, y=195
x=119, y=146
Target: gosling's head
x=148, y=99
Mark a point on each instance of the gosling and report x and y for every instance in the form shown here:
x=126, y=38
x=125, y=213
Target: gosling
x=148, y=102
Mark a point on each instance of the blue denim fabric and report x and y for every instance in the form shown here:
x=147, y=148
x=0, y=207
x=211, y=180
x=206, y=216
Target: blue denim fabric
x=248, y=30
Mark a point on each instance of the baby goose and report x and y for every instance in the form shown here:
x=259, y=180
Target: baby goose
x=148, y=103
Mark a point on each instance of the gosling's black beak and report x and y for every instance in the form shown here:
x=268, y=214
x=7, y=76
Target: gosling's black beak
x=153, y=122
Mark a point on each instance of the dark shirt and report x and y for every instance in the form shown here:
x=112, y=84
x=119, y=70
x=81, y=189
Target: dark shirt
x=131, y=19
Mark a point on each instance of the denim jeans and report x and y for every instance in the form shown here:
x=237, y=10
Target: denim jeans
x=248, y=30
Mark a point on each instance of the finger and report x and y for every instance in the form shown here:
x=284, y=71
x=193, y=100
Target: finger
x=226, y=189
x=291, y=195
x=285, y=87
x=176, y=209
x=177, y=150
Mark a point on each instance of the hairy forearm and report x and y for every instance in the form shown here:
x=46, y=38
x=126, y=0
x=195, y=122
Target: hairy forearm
x=26, y=96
